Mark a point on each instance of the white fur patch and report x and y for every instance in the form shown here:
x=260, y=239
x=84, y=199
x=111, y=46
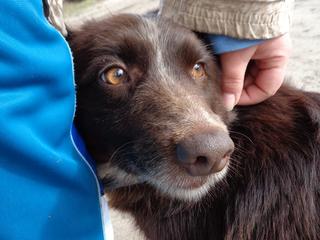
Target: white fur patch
x=121, y=177
x=194, y=194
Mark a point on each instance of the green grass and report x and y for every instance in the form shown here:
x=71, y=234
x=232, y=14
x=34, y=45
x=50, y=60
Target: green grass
x=74, y=8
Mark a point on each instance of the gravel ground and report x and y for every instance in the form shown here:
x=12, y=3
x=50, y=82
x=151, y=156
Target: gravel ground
x=303, y=69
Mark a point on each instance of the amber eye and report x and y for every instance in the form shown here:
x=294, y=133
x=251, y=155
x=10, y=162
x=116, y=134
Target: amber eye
x=114, y=76
x=198, y=71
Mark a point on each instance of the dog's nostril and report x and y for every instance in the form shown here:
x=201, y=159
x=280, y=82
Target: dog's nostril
x=201, y=160
x=204, y=153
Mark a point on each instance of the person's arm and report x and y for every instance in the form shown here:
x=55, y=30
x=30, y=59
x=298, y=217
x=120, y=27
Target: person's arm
x=237, y=30
x=48, y=191
x=243, y=19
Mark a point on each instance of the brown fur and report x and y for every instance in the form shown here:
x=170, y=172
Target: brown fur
x=271, y=190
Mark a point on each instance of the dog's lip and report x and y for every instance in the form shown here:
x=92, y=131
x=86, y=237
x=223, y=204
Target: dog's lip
x=190, y=183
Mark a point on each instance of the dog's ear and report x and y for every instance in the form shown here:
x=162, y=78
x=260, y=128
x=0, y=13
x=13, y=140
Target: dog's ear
x=80, y=43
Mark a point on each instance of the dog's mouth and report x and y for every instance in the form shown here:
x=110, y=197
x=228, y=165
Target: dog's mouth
x=172, y=184
x=186, y=187
x=186, y=171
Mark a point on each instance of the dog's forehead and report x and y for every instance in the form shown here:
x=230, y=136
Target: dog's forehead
x=147, y=36
x=174, y=41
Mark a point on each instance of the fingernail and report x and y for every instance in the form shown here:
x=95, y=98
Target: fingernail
x=229, y=100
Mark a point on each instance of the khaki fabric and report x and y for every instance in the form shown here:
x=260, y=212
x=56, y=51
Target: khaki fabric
x=245, y=19
x=55, y=15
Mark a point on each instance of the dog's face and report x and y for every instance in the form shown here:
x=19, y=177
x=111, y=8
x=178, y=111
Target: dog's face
x=149, y=106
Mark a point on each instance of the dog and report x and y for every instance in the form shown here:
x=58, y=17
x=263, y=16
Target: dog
x=150, y=111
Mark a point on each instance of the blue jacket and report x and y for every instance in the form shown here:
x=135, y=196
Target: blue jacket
x=47, y=190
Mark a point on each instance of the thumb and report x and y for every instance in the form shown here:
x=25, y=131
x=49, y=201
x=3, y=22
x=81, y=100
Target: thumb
x=234, y=65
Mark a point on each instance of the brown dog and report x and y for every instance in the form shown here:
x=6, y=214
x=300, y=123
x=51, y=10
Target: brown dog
x=149, y=108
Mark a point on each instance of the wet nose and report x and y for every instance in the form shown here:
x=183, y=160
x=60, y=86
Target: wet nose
x=202, y=154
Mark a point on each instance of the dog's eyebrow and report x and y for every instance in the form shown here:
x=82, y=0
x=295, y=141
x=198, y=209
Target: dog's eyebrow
x=189, y=54
x=183, y=47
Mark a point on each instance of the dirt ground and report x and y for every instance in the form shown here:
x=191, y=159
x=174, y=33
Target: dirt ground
x=303, y=70
x=304, y=66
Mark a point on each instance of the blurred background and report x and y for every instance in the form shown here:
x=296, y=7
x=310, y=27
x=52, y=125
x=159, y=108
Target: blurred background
x=303, y=70
x=80, y=10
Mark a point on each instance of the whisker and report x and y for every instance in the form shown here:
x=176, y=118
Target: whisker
x=243, y=135
x=118, y=149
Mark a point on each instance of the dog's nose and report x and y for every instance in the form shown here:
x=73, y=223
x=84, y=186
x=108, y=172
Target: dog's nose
x=204, y=153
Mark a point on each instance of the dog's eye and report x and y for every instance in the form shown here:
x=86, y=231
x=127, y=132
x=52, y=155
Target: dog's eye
x=198, y=71
x=114, y=76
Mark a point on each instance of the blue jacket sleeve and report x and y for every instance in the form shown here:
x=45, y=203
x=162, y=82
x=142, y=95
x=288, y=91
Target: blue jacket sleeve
x=47, y=190
x=222, y=44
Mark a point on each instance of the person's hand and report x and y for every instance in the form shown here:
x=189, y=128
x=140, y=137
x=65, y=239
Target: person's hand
x=253, y=74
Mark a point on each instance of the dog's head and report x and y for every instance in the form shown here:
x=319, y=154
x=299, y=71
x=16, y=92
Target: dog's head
x=149, y=105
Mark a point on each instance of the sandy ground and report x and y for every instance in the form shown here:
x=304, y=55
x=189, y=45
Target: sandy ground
x=303, y=69
x=107, y=7
x=304, y=66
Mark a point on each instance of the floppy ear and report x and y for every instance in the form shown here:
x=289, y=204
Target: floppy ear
x=80, y=43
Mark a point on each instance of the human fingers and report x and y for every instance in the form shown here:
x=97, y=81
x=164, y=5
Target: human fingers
x=270, y=65
x=266, y=84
